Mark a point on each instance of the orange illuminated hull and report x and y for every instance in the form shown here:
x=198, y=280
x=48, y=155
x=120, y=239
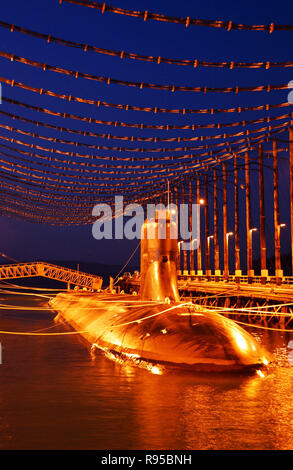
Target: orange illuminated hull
x=159, y=336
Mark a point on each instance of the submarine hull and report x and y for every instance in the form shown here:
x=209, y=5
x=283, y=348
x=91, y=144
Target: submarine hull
x=152, y=334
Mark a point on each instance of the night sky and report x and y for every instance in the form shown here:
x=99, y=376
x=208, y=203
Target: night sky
x=28, y=241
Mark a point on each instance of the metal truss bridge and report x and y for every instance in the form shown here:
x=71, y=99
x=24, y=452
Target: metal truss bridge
x=51, y=271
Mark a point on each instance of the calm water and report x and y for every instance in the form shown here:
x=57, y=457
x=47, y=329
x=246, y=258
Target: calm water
x=55, y=395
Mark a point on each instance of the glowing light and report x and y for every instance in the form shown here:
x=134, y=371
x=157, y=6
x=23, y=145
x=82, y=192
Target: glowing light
x=156, y=370
x=201, y=201
x=164, y=331
x=265, y=361
x=241, y=342
x=260, y=373
x=123, y=358
x=131, y=356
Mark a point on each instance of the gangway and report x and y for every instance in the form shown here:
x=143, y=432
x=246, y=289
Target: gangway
x=51, y=271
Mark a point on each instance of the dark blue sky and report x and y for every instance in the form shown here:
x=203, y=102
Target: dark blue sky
x=27, y=241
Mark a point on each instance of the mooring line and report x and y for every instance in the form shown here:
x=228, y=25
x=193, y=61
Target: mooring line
x=22, y=333
x=263, y=327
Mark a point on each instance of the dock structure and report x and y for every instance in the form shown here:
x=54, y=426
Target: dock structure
x=245, y=232
x=51, y=271
x=244, y=253
x=270, y=305
x=240, y=287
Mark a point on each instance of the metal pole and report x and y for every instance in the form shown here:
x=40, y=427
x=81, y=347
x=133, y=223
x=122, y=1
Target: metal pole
x=176, y=198
x=184, y=234
x=276, y=211
x=191, y=252
x=199, y=267
x=178, y=221
x=291, y=186
x=225, y=222
x=248, y=218
x=236, y=202
x=216, y=225
x=263, y=260
x=206, y=219
x=171, y=196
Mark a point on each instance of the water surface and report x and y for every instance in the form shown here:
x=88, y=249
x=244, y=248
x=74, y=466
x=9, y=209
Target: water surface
x=55, y=395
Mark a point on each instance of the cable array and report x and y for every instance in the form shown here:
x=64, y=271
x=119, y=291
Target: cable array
x=127, y=107
x=47, y=177
x=49, y=38
x=129, y=83
x=146, y=15
x=108, y=137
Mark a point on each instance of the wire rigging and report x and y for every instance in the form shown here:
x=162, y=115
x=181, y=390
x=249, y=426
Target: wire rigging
x=129, y=83
x=49, y=38
x=54, y=185
x=146, y=15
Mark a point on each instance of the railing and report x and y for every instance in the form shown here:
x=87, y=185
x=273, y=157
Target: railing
x=288, y=280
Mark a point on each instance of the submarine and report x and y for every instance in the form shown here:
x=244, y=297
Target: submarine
x=155, y=330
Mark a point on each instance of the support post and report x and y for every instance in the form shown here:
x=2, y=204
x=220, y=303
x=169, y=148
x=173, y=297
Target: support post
x=278, y=271
x=185, y=271
x=216, y=227
x=199, y=266
x=206, y=221
x=176, y=198
x=291, y=186
x=238, y=272
x=178, y=222
x=262, y=225
x=171, y=196
x=250, y=272
x=225, y=223
x=191, y=252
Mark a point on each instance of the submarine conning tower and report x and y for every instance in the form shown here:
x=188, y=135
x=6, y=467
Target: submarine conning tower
x=159, y=255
